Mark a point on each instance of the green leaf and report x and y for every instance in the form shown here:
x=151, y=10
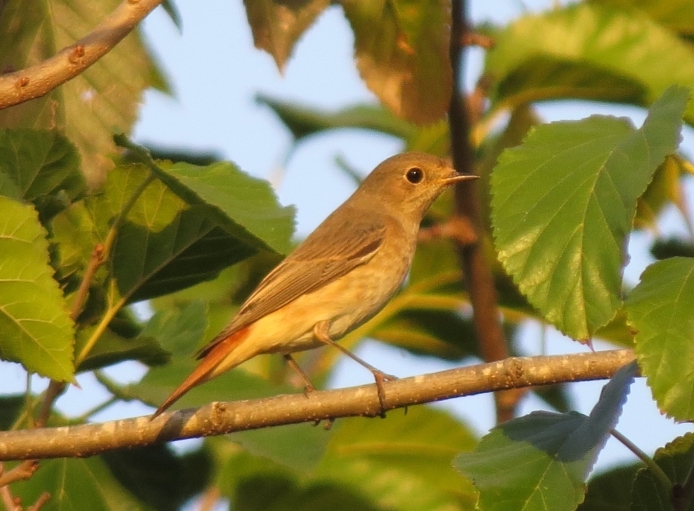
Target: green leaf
x=36, y=326
x=247, y=206
x=660, y=309
x=179, y=331
x=304, y=121
x=88, y=107
x=159, y=478
x=77, y=484
x=588, y=51
x=540, y=461
x=403, y=462
x=165, y=245
x=278, y=24
x=10, y=408
x=74, y=235
x=672, y=247
x=677, y=15
x=675, y=459
x=113, y=348
x=252, y=482
x=610, y=491
x=402, y=52
x=563, y=204
x=40, y=167
x=441, y=333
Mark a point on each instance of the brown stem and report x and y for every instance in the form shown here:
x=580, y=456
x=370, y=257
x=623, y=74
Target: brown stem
x=223, y=418
x=469, y=38
x=95, y=261
x=39, y=80
x=21, y=472
x=43, y=498
x=476, y=269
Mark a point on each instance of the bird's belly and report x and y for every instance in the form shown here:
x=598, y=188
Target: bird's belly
x=345, y=304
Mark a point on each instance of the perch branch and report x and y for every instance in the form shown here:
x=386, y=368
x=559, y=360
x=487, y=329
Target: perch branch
x=221, y=418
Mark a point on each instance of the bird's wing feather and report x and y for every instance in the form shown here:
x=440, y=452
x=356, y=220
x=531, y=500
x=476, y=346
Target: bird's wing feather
x=344, y=242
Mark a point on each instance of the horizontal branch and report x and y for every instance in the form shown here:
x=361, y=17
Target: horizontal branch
x=39, y=80
x=220, y=418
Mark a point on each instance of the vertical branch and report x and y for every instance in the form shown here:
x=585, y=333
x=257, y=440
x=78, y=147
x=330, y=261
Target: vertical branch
x=476, y=269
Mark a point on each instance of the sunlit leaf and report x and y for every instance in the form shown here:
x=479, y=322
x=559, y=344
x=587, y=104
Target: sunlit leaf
x=402, y=52
x=278, y=24
x=563, y=204
x=660, y=310
x=36, y=326
x=589, y=51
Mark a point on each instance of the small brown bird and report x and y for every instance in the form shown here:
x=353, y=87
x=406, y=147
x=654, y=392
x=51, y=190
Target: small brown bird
x=338, y=278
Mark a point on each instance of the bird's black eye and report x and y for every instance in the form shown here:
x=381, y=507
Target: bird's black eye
x=415, y=175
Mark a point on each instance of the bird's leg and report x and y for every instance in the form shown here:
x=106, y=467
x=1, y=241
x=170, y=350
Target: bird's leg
x=321, y=332
x=308, y=386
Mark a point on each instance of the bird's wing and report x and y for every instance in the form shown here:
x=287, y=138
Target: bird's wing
x=340, y=244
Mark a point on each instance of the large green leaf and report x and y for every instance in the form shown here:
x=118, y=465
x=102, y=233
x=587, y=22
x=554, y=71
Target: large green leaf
x=563, y=204
x=159, y=478
x=661, y=310
x=166, y=244
x=39, y=166
x=678, y=15
x=247, y=206
x=87, y=108
x=113, y=348
x=179, y=330
x=77, y=484
x=34, y=320
x=611, y=490
x=540, y=462
x=403, y=462
x=589, y=51
x=402, y=54
x=675, y=459
x=278, y=24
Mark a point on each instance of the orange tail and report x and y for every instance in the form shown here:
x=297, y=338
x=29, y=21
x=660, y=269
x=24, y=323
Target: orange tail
x=212, y=365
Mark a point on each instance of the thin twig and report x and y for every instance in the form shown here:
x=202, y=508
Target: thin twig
x=43, y=498
x=96, y=260
x=39, y=80
x=658, y=472
x=21, y=472
x=227, y=417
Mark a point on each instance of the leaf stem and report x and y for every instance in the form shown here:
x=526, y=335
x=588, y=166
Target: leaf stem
x=650, y=463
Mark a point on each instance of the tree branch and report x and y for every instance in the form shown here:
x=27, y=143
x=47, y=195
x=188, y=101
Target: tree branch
x=478, y=273
x=222, y=418
x=39, y=80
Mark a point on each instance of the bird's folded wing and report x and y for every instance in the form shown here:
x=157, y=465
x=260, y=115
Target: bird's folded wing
x=340, y=244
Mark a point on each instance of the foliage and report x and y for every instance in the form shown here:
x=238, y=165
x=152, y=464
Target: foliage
x=559, y=202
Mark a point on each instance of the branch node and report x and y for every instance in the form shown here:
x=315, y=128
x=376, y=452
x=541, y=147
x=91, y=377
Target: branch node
x=76, y=54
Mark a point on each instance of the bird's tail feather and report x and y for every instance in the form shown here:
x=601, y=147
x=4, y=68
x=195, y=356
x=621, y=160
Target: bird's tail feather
x=214, y=362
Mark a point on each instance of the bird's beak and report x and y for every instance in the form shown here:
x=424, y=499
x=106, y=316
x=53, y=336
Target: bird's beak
x=457, y=178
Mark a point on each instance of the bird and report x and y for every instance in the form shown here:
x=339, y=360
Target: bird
x=339, y=277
